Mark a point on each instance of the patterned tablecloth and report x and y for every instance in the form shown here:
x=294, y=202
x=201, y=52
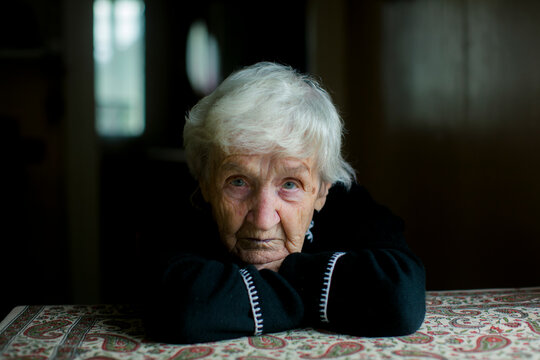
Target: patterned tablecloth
x=486, y=324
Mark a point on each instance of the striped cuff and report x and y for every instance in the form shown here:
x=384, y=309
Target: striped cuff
x=323, y=303
x=253, y=300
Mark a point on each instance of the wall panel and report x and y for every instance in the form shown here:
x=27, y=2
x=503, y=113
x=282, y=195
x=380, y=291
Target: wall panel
x=449, y=136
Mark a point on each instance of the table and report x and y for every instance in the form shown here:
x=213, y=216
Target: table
x=478, y=324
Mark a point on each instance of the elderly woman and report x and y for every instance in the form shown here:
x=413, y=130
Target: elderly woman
x=286, y=238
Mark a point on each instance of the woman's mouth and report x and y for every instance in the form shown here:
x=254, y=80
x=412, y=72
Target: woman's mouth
x=258, y=241
x=254, y=243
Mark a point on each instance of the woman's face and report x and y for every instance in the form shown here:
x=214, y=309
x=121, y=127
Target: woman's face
x=263, y=204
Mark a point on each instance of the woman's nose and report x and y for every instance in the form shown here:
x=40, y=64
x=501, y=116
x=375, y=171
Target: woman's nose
x=263, y=213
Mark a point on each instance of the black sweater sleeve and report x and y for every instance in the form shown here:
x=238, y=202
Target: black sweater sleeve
x=372, y=292
x=203, y=300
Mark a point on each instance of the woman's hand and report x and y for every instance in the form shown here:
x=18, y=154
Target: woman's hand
x=292, y=247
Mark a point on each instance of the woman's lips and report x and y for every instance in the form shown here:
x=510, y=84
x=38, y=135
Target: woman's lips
x=259, y=240
x=250, y=243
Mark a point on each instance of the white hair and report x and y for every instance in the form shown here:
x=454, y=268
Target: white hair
x=268, y=108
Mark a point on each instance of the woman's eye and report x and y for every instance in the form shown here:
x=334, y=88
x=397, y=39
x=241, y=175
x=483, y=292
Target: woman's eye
x=289, y=185
x=237, y=182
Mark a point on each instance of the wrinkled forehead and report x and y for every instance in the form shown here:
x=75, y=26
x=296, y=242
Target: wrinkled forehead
x=277, y=162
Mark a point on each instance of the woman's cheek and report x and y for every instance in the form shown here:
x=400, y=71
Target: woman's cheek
x=233, y=214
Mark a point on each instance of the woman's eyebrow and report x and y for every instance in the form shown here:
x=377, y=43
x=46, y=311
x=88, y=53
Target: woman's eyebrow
x=299, y=169
x=232, y=167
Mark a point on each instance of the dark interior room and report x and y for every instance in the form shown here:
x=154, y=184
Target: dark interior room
x=439, y=98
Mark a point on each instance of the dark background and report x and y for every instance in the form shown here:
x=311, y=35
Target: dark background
x=441, y=100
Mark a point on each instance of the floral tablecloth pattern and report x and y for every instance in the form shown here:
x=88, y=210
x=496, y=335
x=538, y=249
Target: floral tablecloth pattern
x=481, y=324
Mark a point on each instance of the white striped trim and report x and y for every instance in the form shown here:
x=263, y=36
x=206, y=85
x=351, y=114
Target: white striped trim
x=253, y=300
x=323, y=304
x=309, y=234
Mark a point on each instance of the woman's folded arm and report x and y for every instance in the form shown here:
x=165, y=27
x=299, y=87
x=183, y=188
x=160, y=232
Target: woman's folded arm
x=369, y=292
x=203, y=300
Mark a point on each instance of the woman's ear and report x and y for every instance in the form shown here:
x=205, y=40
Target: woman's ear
x=204, y=190
x=321, y=197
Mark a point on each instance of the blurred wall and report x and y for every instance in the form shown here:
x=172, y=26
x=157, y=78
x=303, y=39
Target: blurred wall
x=442, y=106
x=34, y=253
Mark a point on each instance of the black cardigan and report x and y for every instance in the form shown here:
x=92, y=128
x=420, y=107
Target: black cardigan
x=355, y=275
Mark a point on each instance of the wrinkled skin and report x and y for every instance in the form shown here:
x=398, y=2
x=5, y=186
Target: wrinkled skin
x=263, y=204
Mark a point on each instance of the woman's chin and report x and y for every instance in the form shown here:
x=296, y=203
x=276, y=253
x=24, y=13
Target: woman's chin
x=260, y=257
